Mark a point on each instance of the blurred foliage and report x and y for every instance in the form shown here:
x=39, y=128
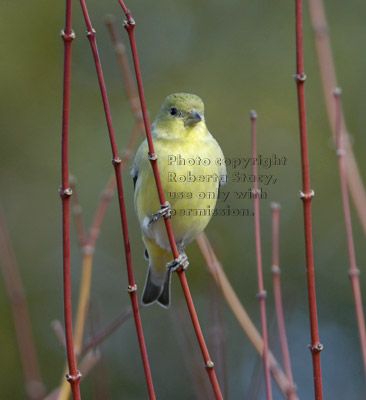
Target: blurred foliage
x=236, y=56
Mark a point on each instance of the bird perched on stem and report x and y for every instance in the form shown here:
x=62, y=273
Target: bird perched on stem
x=191, y=166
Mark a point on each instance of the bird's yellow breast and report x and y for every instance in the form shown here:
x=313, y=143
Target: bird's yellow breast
x=190, y=176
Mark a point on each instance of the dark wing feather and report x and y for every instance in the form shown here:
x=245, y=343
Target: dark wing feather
x=134, y=181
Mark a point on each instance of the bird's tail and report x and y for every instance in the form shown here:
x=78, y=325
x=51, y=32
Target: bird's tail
x=157, y=288
x=157, y=284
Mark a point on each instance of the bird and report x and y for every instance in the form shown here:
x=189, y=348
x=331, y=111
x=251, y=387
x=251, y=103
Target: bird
x=191, y=166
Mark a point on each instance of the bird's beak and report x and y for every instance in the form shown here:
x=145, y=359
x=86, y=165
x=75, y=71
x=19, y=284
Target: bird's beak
x=192, y=118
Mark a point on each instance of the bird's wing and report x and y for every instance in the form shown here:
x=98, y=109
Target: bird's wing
x=222, y=168
x=136, y=163
x=134, y=173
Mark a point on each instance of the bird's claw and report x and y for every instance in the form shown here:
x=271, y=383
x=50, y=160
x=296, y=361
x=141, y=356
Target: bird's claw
x=164, y=211
x=181, y=261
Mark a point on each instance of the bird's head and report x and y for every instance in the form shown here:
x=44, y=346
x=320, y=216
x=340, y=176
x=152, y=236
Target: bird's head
x=180, y=113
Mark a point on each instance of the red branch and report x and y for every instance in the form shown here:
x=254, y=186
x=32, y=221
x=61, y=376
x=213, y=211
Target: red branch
x=108, y=191
x=306, y=195
x=353, y=271
x=87, y=240
x=291, y=393
x=129, y=26
x=65, y=192
x=132, y=288
x=261, y=292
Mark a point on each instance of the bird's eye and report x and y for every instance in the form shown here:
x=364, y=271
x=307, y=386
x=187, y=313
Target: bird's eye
x=173, y=111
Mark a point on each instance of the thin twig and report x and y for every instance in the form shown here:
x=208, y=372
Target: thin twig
x=59, y=332
x=278, y=299
x=100, y=336
x=261, y=295
x=109, y=190
x=191, y=358
x=100, y=386
x=125, y=70
x=77, y=213
x=132, y=288
x=353, y=271
x=89, y=361
x=86, y=364
x=67, y=35
x=306, y=195
x=129, y=26
x=216, y=334
x=239, y=311
x=90, y=343
x=34, y=386
x=329, y=82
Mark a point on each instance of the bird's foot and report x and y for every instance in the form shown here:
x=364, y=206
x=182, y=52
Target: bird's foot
x=164, y=211
x=181, y=261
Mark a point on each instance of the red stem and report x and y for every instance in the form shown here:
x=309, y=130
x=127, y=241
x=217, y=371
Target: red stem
x=109, y=190
x=129, y=26
x=201, y=341
x=261, y=292
x=132, y=288
x=87, y=240
x=216, y=334
x=67, y=35
x=306, y=196
x=353, y=271
x=328, y=79
x=291, y=393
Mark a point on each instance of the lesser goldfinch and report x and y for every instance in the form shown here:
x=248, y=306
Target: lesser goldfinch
x=191, y=166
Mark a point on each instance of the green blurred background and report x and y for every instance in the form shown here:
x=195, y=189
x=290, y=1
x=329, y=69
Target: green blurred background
x=237, y=56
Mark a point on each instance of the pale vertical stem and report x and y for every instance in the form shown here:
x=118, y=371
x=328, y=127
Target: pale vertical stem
x=306, y=196
x=291, y=394
x=328, y=79
x=23, y=331
x=124, y=66
x=132, y=288
x=261, y=292
x=353, y=271
x=77, y=213
x=83, y=304
x=239, y=311
x=129, y=26
x=67, y=35
x=100, y=386
x=59, y=332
